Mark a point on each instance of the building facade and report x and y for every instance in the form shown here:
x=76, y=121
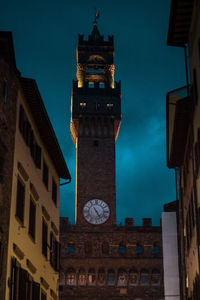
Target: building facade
x=183, y=142
x=100, y=260
x=31, y=165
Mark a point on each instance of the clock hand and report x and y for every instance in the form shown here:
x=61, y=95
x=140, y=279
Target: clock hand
x=96, y=212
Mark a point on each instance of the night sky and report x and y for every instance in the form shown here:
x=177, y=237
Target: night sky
x=45, y=38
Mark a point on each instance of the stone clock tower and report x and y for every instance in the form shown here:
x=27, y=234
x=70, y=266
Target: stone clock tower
x=95, y=122
x=100, y=260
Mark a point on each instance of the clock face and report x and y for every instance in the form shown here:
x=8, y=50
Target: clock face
x=96, y=211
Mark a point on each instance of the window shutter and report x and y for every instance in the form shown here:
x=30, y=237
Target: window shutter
x=35, y=291
x=32, y=215
x=38, y=156
x=23, y=284
x=44, y=238
x=20, y=201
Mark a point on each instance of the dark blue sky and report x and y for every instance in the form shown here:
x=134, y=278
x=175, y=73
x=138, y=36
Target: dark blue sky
x=45, y=38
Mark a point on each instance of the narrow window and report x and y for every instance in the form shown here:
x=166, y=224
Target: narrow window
x=45, y=174
x=21, y=118
x=102, y=85
x=37, y=156
x=144, y=277
x=32, y=216
x=91, y=277
x=35, y=290
x=91, y=85
x=54, y=191
x=82, y=277
x=14, y=279
x=71, y=248
x=98, y=105
x=195, y=86
x=139, y=249
x=101, y=277
x=111, y=277
x=1, y=169
x=155, y=277
x=122, y=249
x=43, y=295
x=71, y=277
x=5, y=92
x=155, y=249
x=122, y=278
x=52, y=250
x=133, y=277
x=44, y=238
x=20, y=200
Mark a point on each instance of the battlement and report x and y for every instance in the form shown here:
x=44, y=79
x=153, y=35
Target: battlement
x=129, y=226
x=91, y=40
x=97, y=88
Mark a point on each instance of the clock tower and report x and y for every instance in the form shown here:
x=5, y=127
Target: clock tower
x=100, y=260
x=95, y=122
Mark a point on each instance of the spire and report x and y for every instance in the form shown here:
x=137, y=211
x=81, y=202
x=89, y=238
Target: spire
x=95, y=35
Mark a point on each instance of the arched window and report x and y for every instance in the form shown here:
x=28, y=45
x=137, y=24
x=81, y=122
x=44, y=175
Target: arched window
x=133, y=277
x=155, y=277
x=144, y=277
x=156, y=249
x=105, y=248
x=139, y=249
x=122, y=278
x=71, y=277
x=88, y=247
x=111, y=277
x=122, y=248
x=81, y=277
x=91, y=277
x=101, y=277
x=71, y=248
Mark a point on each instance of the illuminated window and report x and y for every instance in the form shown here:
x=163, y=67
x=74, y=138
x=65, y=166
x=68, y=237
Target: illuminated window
x=144, y=277
x=91, y=277
x=82, y=277
x=133, y=277
x=109, y=106
x=111, y=277
x=83, y=105
x=91, y=84
x=101, y=277
x=122, y=278
x=102, y=85
x=71, y=277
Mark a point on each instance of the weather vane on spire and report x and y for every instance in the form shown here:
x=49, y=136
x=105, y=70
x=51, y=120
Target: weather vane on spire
x=96, y=16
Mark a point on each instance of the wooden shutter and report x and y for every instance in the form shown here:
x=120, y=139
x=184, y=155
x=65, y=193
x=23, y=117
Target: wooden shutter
x=23, y=284
x=20, y=200
x=35, y=291
x=44, y=238
x=38, y=156
x=32, y=215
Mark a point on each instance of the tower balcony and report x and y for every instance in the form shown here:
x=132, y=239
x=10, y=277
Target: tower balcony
x=179, y=116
